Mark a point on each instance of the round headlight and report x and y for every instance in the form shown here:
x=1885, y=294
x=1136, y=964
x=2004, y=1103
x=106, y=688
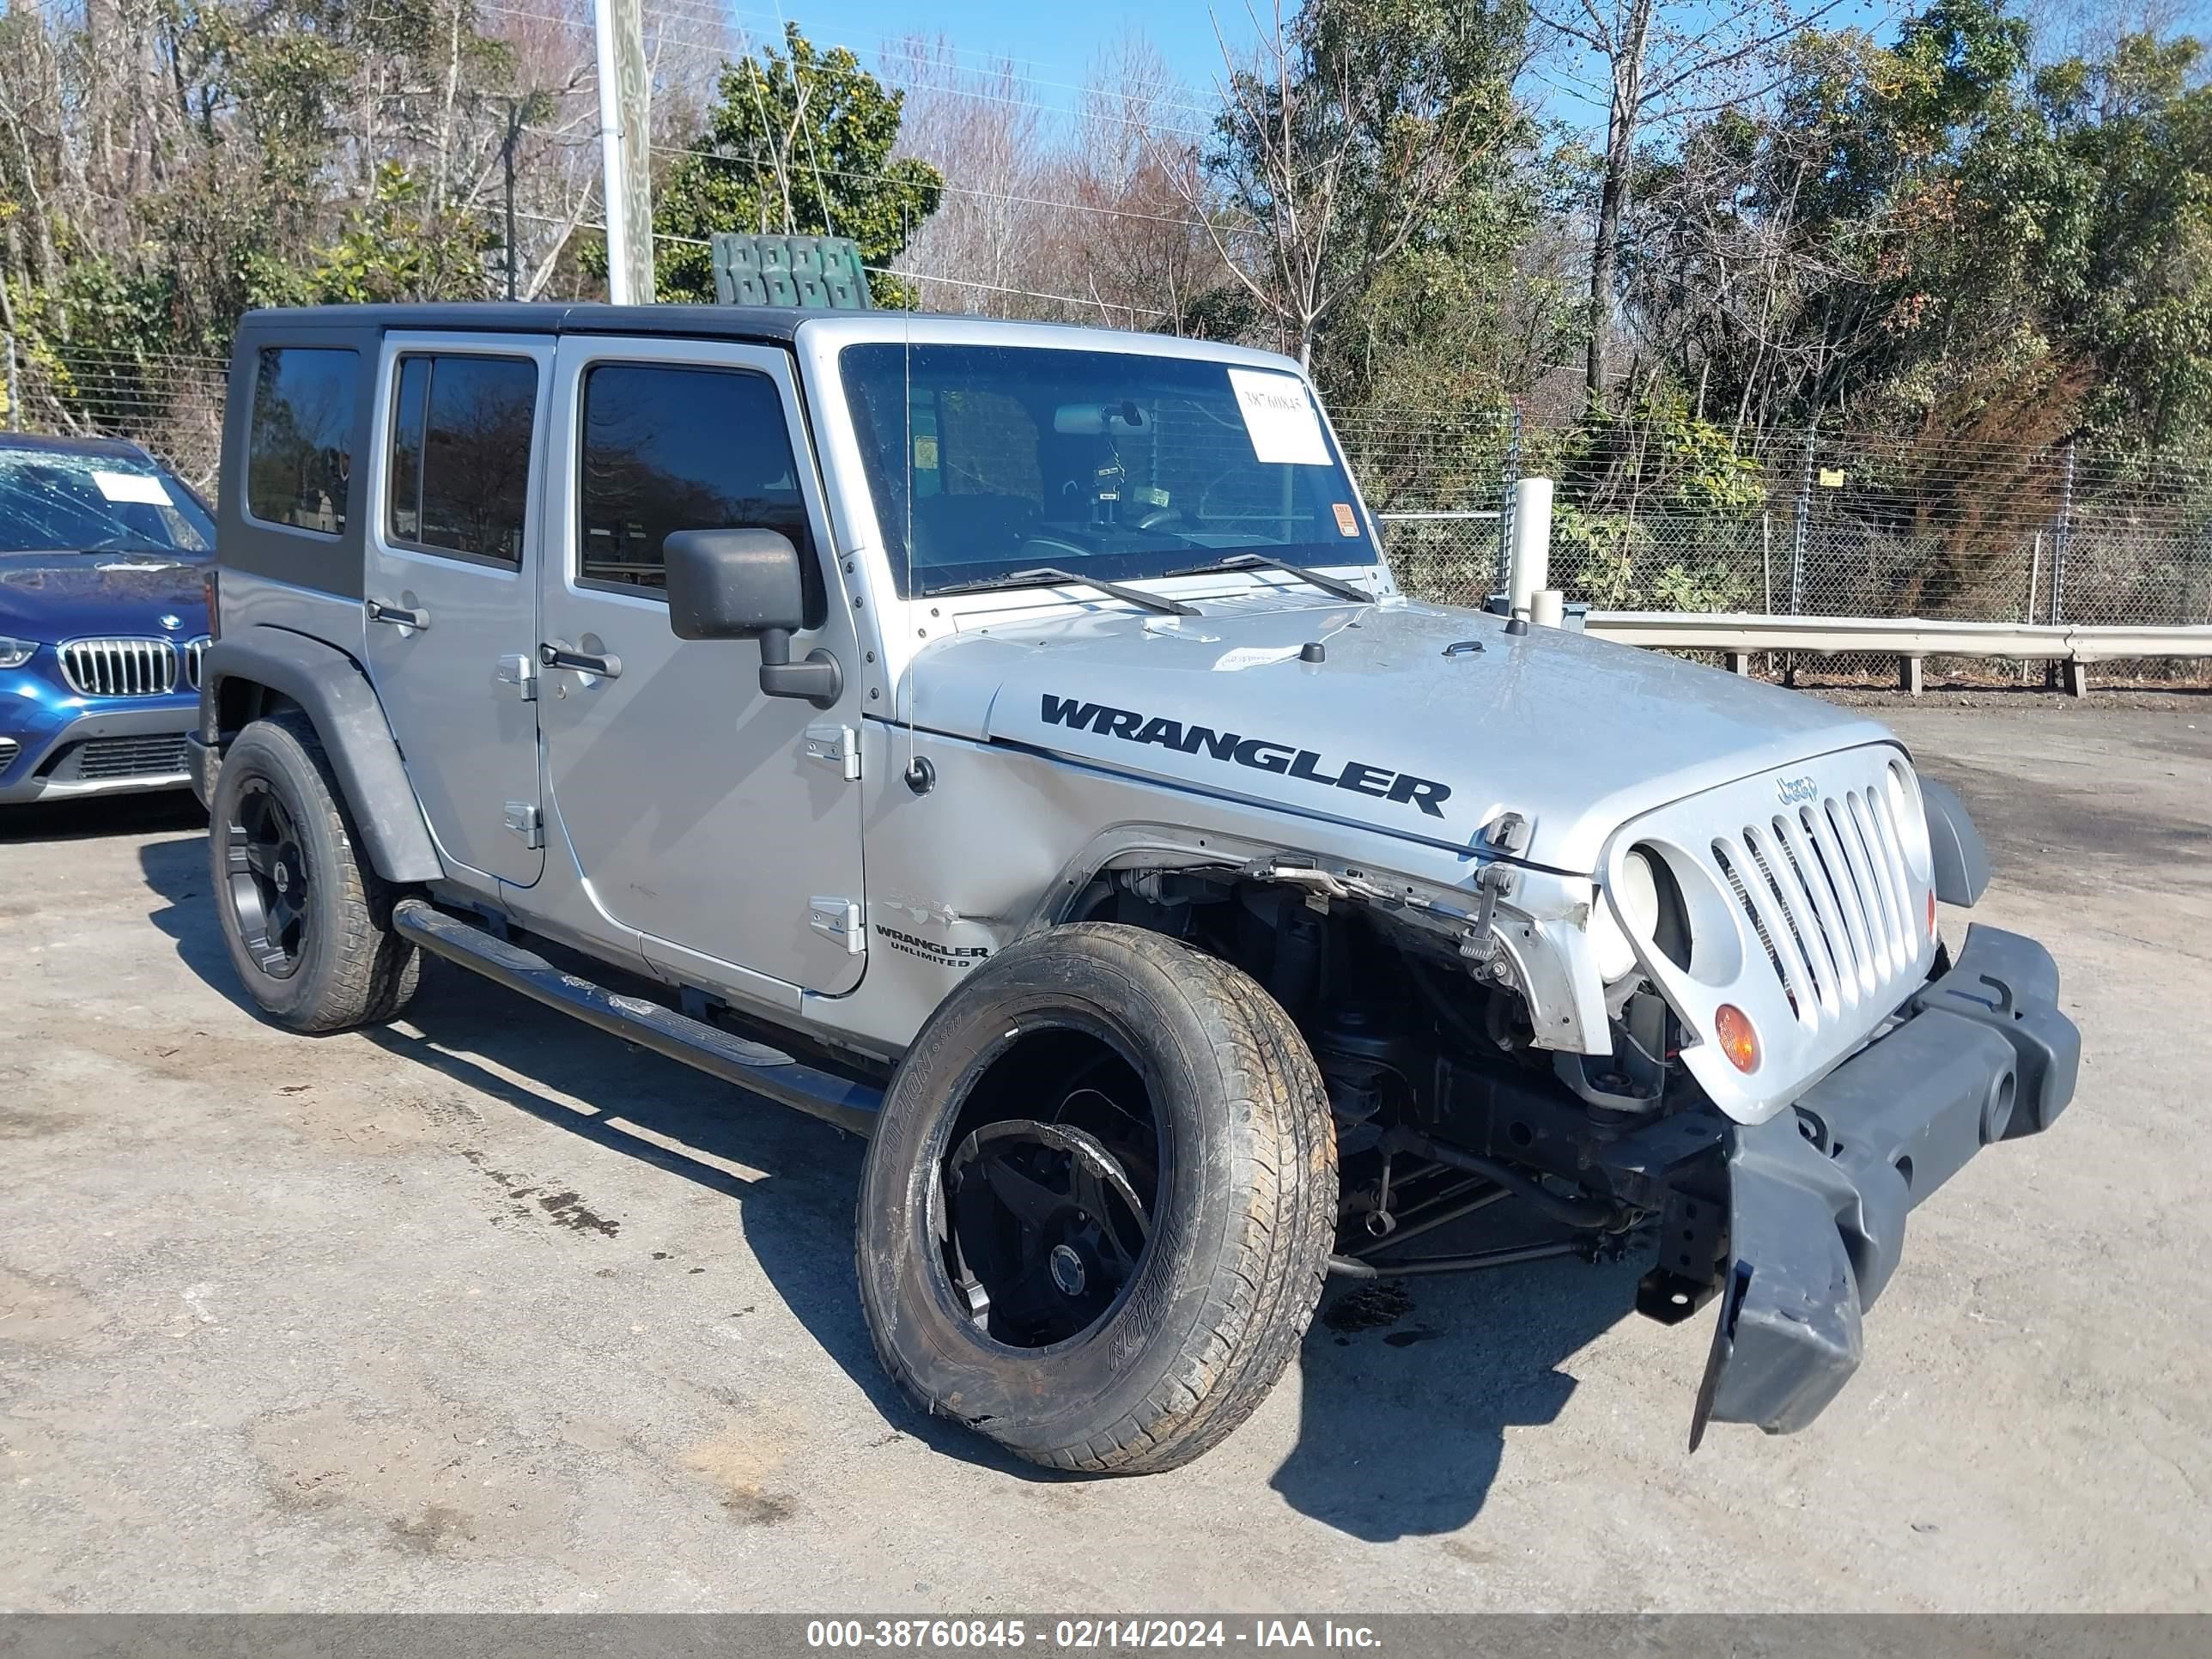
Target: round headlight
x=1609, y=945
x=1636, y=895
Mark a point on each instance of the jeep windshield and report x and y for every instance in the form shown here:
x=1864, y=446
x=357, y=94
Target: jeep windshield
x=54, y=500
x=988, y=461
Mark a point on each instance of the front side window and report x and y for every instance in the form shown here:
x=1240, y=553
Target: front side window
x=460, y=454
x=299, y=455
x=668, y=449
x=986, y=460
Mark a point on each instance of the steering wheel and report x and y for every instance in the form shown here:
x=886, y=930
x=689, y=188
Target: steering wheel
x=1159, y=516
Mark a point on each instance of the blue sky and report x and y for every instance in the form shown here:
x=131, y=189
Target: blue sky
x=1051, y=42
x=1048, y=41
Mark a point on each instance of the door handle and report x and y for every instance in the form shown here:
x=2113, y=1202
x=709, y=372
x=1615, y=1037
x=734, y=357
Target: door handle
x=607, y=667
x=397, y=614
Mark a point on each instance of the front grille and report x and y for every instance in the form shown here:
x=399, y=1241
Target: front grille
x=195, y=659
x=1824, y=888
x=120, y=668
x=99, y=760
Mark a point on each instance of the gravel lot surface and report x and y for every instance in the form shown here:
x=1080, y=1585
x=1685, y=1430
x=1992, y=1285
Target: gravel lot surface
x=489, y=1310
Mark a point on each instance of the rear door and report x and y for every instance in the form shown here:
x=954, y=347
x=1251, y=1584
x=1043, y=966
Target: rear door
x=450, y=587
x=721, y=823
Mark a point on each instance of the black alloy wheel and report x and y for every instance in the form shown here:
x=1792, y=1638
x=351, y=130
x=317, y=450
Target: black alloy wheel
x=268, y=879
x=1045, y=1222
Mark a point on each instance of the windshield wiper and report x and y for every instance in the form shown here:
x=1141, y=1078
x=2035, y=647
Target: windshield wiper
x=1135, y=596
x=1265, y=561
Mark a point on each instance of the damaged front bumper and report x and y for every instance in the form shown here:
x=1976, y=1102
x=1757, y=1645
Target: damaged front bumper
x=1817, y=1196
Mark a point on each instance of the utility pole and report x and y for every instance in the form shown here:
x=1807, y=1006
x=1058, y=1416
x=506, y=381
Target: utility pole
x=506, y=161
x=625, y=105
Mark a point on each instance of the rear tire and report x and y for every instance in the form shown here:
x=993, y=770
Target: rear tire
x=306, y=920
x=1195, y=1249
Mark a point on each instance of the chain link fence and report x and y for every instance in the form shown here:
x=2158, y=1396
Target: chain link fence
x=1850, y=524
x=1829, y=523
x=170, y=404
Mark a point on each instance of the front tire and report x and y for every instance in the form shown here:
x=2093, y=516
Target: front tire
x=305, y=918
x=1098, y=1209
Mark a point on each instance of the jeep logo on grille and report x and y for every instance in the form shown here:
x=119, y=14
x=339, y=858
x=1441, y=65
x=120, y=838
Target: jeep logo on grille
x=1797, y=792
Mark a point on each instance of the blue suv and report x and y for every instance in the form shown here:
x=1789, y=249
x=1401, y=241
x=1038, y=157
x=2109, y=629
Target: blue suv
x=104, y=558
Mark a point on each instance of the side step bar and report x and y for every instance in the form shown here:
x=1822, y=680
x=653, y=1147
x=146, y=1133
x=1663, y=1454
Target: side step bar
x=720, y=1054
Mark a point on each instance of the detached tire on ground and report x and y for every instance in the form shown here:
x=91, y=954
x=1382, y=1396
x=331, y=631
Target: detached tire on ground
x=306, y=921
x=1098, y=1205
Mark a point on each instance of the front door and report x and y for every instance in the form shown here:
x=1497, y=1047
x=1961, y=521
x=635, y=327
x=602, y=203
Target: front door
x=696, y=809
x=451, y=593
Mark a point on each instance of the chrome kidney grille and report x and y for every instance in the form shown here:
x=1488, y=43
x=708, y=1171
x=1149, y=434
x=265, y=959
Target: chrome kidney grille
x=121, y=667
x=1825, y=887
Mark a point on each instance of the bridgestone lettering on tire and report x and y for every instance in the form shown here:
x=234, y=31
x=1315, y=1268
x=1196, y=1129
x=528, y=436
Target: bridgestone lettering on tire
x=304, y=919
x=1234, y=1193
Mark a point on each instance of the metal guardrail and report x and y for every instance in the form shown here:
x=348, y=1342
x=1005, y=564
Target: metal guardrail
x=1909, y=639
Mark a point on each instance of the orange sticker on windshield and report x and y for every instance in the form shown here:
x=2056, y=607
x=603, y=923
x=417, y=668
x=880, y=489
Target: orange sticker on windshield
x=1345, y=522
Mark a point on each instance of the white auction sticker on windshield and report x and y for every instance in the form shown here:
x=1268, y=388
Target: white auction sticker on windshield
x=1279, y=414
x=132, y=487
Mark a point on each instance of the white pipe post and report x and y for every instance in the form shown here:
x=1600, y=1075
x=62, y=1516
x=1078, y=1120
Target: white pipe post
x=614, y=191
x=1531, y=569
x=625, y=148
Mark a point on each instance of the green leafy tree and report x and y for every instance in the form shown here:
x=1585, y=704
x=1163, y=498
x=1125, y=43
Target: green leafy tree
x=1367, y=140
x=799, y=142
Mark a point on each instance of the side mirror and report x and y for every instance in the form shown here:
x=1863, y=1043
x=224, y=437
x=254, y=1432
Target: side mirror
x=748, y=584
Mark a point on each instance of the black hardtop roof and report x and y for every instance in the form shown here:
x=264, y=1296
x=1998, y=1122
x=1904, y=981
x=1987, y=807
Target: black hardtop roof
x=777, y=325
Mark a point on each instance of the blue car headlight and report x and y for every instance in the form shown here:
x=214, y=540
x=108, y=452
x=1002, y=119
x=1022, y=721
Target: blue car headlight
x=14, y=653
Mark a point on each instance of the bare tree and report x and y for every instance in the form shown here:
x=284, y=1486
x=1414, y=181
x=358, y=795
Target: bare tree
x=1136, y=249
x=1340, y=139
x=1663, y=61
x=988, y=237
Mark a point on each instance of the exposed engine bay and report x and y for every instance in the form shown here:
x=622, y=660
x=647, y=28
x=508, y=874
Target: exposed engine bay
x=1444, y=1103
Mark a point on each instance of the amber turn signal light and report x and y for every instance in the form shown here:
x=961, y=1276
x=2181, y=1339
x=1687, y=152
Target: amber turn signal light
x=1738, y=1040
x=1931, y=912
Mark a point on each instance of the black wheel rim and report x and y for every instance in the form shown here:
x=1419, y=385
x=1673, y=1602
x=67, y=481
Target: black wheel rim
x=266, y=872
x=1047, y=1223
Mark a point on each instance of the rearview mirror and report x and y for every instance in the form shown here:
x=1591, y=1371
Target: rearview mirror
x=748, y=584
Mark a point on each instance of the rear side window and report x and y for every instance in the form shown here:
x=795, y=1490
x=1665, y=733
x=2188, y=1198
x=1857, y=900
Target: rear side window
x=460, y=454
x=299, y=455
x=668, y=449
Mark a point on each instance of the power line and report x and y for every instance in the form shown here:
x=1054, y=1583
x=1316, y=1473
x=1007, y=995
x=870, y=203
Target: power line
x=889, y=270
x=948, y=189
x=721, y=37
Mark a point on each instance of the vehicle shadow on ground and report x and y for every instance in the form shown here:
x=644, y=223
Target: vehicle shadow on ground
x=1402, y=1427
x=1403, y=1413
x=94, y=815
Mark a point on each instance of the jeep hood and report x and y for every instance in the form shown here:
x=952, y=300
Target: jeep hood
x=1415, y=721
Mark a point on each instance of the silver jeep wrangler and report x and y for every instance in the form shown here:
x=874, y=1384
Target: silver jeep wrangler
x=1008, y=743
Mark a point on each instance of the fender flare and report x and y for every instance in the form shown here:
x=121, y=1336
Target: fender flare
x=1961, y=860
x=348, y=719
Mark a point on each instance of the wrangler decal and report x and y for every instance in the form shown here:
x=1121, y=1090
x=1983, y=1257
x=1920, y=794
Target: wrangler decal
x=1260, y=754
x=945, y=956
